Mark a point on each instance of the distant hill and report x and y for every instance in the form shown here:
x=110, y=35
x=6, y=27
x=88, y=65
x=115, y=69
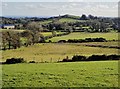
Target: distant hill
x=66, y=16
x=70, y=16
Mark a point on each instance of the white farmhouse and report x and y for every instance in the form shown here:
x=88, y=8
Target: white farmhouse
x=9, y=26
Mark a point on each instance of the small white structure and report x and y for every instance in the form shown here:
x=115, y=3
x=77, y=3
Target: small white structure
x=8, y=26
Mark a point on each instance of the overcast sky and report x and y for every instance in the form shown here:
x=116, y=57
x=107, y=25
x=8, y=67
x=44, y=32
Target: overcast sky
x=60, y=0
x=106, y=8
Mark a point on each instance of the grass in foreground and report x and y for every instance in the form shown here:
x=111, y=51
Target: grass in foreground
x=77, y=74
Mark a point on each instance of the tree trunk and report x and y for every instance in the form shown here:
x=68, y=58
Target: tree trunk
x=9, y=44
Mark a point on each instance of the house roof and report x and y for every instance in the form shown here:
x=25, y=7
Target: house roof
x=8, y=25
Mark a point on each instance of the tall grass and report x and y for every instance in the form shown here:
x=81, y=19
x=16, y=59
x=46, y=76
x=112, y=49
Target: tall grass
x=54, y=52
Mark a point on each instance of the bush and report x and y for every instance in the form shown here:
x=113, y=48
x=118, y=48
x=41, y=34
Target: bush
x=97, y=58
x=32, y=62
x=50, y=41
x=92, y=58
x=62, y=41
x=67, y=60
x=100, y=40
x=113, y=57
x=75, y=40
x=78, y=58
x=14, y=61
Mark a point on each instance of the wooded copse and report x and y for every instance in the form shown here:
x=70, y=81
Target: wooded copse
x=12, y=40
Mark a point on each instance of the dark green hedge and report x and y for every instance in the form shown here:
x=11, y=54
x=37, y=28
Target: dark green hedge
x=14, y=61
x=92, y=58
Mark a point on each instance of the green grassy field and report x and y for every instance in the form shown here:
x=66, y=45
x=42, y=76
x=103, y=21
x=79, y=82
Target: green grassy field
x=76, y=74
x=21, y=30
x=79, y=74
x=68, y=20
x=83, y=35
x=46, y=33
x=45, y=21
x=50, y=33
x=46, y=51
x=50, y=51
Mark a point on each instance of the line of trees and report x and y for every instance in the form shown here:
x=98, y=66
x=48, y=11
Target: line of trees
x=10, y=40
x=14, y=40
x=77, y=58
x=83, y=40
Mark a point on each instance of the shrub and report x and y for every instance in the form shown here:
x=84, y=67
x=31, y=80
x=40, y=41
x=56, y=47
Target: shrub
x=14, y=60
x=113, y=57
x=67, y=60
x=92, y=58
x=62, y=41
x=99, y=40
x=89, y=40
x=97, y=58
x=32, y=62
x=78, y=58
x=50, y=41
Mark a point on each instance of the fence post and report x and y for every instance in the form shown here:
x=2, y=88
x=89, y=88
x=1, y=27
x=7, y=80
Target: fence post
x=51, y=60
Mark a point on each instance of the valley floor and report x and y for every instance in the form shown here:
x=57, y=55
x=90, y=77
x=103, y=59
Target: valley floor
x=76, y=74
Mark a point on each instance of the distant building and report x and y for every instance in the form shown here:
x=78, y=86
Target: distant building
x=8, y=26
